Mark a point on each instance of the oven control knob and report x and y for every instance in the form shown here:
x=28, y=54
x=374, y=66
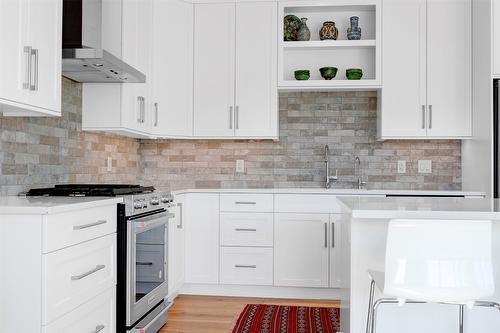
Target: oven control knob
x=137, y=204
x=154, y=201
x=165, y=199
x=144, y=203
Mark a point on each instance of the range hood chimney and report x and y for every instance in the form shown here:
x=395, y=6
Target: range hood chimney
x=83, y=58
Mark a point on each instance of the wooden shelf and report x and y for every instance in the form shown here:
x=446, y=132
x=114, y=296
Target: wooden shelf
x=330, y=44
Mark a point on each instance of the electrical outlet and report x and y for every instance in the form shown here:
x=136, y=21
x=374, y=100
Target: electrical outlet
x=240, y=166
x=401, y=166
x=109, y=164
x=424, y=166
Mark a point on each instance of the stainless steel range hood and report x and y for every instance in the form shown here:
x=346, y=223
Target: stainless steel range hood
x=83, y=58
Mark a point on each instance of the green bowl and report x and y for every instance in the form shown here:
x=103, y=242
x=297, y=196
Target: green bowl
x=354, y=74
x=302, y=74
x=328, y=73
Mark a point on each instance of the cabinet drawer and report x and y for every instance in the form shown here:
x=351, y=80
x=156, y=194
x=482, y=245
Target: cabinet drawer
x=307, y=203
x=250, y=266
x=246, y=229
x=246, y=202
x=98, y=313
x=70, y=228
x=77, y=274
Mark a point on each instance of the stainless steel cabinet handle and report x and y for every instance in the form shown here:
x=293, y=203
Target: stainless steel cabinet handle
x=181, y=217
x=245, y=266
x=245, y=203
x=85, y=226
x=430, y=116
x=333, y=235
x=27, y=78
x=139, y=105
x=98, y=328
x=423, y=116
x=156, y=114
x=92, y=271
x=237, y=117
x=143, y=110
x=243, y=229
x=326, y=235
x=34, y=86
x=140, y=263
x=230, y=117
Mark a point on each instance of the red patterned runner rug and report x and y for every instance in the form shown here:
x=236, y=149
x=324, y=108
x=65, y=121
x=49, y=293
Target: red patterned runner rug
x=259, y=318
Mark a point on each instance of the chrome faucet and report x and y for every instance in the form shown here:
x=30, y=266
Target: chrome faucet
x=357, y=171
x=329, y=179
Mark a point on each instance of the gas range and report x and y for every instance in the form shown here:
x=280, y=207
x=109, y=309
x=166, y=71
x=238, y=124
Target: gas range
x=137, y=199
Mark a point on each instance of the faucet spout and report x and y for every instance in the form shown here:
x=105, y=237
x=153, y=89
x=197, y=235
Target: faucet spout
x=357, y=170
x=329, y=179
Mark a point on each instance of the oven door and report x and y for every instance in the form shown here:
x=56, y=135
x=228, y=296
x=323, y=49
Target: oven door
x=147, y=263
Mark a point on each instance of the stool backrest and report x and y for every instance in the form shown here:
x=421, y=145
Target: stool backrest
x=439, y=260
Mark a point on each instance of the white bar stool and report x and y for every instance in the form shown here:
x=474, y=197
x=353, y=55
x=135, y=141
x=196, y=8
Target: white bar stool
x=435, y=261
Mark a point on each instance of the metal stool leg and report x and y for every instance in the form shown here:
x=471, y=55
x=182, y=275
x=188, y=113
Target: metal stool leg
x=461, y=308
x=369, y=317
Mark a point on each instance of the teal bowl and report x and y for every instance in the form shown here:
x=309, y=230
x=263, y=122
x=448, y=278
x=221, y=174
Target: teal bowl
x=328, y=73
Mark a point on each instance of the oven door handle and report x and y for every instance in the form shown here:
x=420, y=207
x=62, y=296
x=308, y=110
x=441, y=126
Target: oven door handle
x=150, y=222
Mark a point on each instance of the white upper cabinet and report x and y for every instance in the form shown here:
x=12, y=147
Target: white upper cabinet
x=124, y=109
x=235, y=70
x=256, y=102
x=404, y=93
x=496, y=37
x=30, y=57
x=427, y=69
x=449, y=68
x=172, y=77
x=214, y=41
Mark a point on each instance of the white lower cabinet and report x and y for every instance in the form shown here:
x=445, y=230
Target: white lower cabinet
x=246, y=229
x=301, y=250
x=202, y=238
x=246, y=266
x=76, y=274
x=97, y=315
x=176, y=241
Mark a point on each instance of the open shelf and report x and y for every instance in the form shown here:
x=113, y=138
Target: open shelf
x=341, y=53
x=330, y=44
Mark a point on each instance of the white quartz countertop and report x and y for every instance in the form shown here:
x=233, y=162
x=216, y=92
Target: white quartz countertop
x=442, y=208
x=354, y=192
x=51, y=205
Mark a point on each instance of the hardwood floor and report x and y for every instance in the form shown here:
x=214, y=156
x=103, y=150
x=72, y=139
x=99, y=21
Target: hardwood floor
x=205, y=314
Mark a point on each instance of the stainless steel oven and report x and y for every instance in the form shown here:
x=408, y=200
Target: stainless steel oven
x=147, y=253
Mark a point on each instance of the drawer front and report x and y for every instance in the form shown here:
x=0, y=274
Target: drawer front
x=70, y=228
x=246, y=202
x=77, y=274
x=246, y=229
x=307, y=203
x=246, y=266
x=97, y=315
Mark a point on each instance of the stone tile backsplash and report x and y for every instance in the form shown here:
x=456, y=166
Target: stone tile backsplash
x=346, y=121
x=46, y=151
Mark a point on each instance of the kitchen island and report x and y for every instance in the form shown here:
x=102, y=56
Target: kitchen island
x=369, y=218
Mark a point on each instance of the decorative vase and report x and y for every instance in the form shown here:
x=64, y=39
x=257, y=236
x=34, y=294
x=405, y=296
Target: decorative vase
x=291, y=27
x=304, y=33
x=354, y=31
x=328, y=31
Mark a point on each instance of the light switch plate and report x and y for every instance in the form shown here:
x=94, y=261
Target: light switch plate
x=401, y=166
x=240, y=166
x=424, y=166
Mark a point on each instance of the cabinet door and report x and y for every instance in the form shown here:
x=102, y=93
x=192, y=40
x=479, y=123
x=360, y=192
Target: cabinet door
x=136, y=51
x=403, y=95
x=339, y=262
x=173, y=68
x=256, y=109
x=214, y=69
x=176, y=237
x=496, y=37
x=301, y=250
x=449, y=68
x=13, y=59
x=45, y=36
x=202, y=238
